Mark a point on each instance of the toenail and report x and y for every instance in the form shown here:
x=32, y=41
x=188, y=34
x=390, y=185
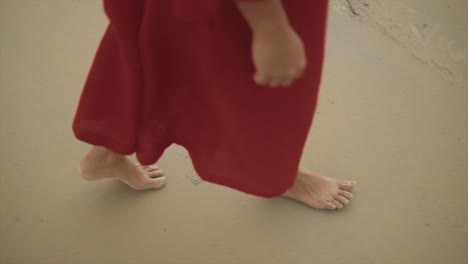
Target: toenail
x=351, y=195
x=352, y=182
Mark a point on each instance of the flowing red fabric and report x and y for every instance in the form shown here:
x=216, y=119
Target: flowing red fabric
x=181, y=71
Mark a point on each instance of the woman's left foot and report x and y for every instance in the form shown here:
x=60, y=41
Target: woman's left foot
x=320, y=192
x=102, y=163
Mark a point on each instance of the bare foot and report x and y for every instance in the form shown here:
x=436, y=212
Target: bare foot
x=101, y=163
x=320, y=192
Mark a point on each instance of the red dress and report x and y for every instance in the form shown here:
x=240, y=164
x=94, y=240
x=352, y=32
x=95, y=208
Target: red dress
x=180, y=71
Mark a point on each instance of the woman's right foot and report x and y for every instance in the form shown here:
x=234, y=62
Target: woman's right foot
x=102, y=163
x=320, y=192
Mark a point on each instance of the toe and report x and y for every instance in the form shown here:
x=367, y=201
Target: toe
x=342, y=199
x=147, y=167
x=346, y=185
x=158, y=183
x=156, y=173
x=151, y=168
x=339, y=205
x=336, y=203
x=345, y=194
x=329, y=205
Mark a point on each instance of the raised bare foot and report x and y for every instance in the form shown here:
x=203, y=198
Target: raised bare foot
x=320, y=192
x=101, y=163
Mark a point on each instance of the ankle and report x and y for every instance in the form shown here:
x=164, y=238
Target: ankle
x=99, y=157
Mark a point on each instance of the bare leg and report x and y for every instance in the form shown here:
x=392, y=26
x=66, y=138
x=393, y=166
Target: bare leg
x=320, y=192
x=102, y=163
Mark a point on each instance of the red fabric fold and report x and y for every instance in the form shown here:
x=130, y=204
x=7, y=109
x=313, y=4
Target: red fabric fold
x=168, y=72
